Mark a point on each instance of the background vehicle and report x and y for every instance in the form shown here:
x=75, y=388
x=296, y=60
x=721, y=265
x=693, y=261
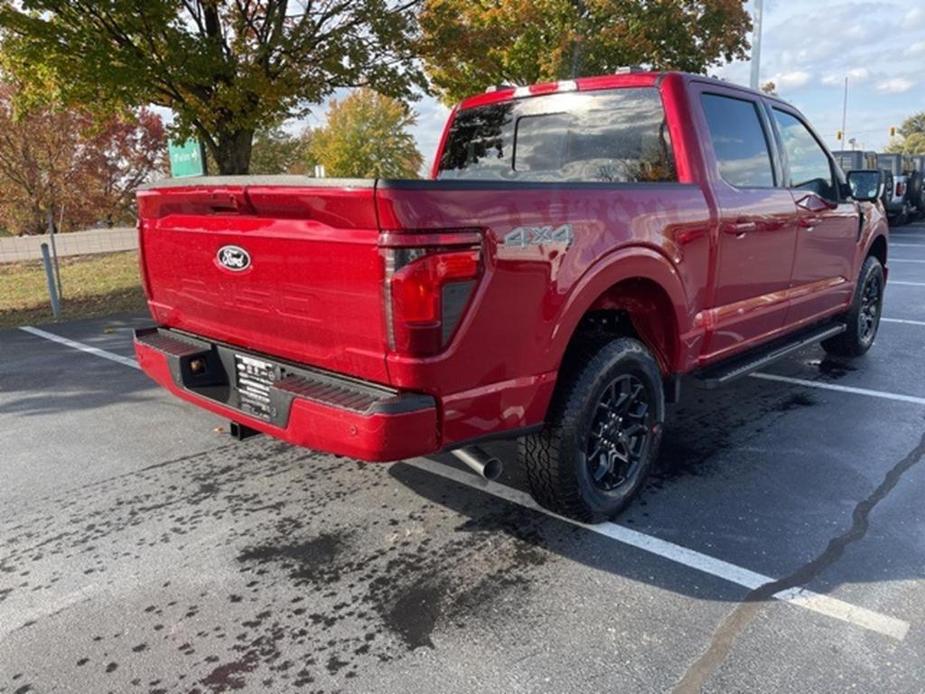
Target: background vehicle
x=582, y=246
x=917, y=186
x=849, y=159
x=907, y=187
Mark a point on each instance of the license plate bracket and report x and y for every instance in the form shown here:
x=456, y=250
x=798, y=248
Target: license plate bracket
x=253, y=380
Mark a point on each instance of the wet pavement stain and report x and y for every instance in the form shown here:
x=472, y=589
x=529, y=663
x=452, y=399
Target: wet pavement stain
x=414, y=615
x=835, y=370
x=796, y=401
x=298, y=606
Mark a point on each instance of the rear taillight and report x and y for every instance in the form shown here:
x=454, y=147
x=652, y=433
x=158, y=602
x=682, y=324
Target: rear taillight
x=429, y=281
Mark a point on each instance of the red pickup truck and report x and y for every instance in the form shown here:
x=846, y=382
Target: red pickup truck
x=579, y=247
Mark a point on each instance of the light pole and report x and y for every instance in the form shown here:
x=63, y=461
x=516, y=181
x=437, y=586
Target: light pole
x=844, y=114
x=756, y=44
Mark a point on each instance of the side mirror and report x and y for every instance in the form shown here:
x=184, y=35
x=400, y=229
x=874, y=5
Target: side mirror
x=866, y=184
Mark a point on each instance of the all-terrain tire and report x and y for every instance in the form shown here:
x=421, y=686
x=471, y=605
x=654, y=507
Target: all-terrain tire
x=863, y=318
x=561, y=473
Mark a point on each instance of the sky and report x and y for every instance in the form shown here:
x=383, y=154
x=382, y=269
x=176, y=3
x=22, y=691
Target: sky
x=808, y=48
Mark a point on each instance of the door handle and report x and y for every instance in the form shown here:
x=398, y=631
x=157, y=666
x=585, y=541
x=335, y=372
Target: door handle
x=808, y=222
x=740, y=229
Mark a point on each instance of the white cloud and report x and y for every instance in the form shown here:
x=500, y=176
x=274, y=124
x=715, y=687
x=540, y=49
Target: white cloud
x=915, y=17
x=917, y=48
x=791, y=80
x=895, y=85
x=855, y=75
x=859, y=74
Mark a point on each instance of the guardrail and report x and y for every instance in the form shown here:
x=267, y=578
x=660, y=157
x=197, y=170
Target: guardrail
x=21, y=248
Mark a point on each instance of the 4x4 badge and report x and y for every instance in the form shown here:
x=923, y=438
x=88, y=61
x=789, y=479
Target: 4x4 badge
x=521, y=237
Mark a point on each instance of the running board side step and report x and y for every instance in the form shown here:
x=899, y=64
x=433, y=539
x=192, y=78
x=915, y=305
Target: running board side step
x=737, y=367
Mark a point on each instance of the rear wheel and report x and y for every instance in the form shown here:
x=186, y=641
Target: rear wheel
x=863, y=319
x=602, y=434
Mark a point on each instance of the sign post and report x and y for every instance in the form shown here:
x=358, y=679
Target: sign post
x=50, y=280
x=187, y=159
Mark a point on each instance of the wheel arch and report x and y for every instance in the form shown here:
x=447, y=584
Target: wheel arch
x=642, y=291
x=878, y=249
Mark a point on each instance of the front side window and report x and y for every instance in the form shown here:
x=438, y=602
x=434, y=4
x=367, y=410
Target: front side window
x=739, y=141
x=616, y=136
x=810, y=168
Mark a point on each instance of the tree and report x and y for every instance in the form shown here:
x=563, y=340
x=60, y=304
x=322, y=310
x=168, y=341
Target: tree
x=913, y=125
x=468, y=45
x=911, y=139
x=115, y=158
x=912, y=144
x=366, y=137
x=225, y=67
x=277, y=152
x=769, y=88
x=56, y=159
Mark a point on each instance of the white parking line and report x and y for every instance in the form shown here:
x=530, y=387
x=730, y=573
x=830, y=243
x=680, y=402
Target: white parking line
x=800, y=597
x=899, y=397
x=906, y=284
x=822, y=604
x=904, y=260
x=902, y=320
x=907, y=245
x=73, y=344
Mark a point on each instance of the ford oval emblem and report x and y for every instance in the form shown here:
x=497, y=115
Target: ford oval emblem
x=233, y=258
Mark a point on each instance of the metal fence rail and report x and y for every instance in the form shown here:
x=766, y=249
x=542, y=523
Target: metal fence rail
x=21, y=248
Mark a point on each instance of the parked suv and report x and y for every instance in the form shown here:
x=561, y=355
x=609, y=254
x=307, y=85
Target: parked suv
x=579, y=247
x=907, y=186
x=917, y=187
x=858, y=159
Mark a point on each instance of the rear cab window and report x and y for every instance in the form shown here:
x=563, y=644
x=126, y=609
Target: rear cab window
x=739, y=140
x=610, y=136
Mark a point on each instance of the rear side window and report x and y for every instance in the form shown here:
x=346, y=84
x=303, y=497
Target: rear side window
x=739, y=141
x=810, y=168
x=617, y=136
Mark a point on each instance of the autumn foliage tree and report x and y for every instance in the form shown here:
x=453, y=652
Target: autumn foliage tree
x=911, y=138
x=366, y=136
x=227, y=68
x=468, y=45
x=62, y=161
x=277, y=152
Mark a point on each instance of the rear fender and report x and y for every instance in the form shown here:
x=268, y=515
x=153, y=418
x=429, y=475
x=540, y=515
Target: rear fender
x=636, y=263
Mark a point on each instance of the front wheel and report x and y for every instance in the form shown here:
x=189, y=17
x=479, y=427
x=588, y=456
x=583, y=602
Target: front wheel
x=602, y=434
x=863, y=318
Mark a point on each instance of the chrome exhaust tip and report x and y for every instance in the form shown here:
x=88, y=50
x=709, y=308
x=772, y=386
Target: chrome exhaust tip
x=483, y=464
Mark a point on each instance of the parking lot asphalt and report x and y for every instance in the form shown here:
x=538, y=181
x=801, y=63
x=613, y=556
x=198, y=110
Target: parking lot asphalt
x=142, y=549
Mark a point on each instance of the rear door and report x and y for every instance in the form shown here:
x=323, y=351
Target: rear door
x=828, y=226
x=757, y=233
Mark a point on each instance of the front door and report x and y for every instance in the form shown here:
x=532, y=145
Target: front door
x=828, y=227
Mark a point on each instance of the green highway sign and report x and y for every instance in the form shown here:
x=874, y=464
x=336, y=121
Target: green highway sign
x=186, y=159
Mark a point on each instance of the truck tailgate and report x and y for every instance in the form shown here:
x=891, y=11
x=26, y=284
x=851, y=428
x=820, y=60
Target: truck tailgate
x=303, y=280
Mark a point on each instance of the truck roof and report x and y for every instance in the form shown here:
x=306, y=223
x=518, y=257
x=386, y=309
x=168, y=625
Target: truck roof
x=645, y=78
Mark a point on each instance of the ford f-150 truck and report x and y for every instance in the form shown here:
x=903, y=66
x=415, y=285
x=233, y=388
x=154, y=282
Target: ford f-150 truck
x=578, y=247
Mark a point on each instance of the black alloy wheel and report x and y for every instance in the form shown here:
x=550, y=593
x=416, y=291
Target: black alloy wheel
x=620, y=433
x=863, y=318
x=871, y=301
